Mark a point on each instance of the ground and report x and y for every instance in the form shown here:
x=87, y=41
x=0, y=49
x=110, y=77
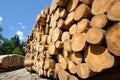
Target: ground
x=21, y=74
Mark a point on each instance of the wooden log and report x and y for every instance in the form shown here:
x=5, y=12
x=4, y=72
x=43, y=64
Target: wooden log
x=83, y=70
x=95, y=36
x=70, y=19
x=72, y=4
x=57, y=13
x=48, y=18
x=50, y=73
x=78, y=41
x=61, y=24
x=76, y=57
x=47, y=9
x=113, y=12
x=72, y=67
x=72, y=77
x=56, y=34
x=82, y=11
x=53, y=6
x=63, y=75
x=61, y=2
x=72, y=29
x=63, y=14
x=88, y=2
x=59, y=44
x=65, y=35
x=57, y=68
x=46, y=29
x=63, y=63
x=96, y=55
x=53, y=22
x=65, y=53
x=49, y=39
x=67, y=45
x=99, y=21
x=52, y=49
x=100, y=7
x=82, y=26
x=112, y=39
x=49, y=64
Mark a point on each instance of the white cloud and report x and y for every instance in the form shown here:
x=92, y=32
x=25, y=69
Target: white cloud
x=20, y=23
x=1, y=19
x=20, y=34
x=23, y=27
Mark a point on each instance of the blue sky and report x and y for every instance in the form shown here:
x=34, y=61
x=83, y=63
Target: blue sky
x=19, y=16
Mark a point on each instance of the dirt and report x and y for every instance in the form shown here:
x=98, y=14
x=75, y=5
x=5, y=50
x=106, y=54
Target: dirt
x=21, y=74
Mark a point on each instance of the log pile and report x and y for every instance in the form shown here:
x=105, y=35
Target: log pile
x=11, y=62
x=74, y=39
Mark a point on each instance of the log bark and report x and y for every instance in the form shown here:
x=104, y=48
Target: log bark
x=59, y=44
x=88, y=2
x=96, y=55
x=112, y=39
x=72, y=4
x=82, y=11
x=61, y=2
x=61, y=24
x=95, y=36
x=99, y=23
x=82, y=26
x=78, y=41
x=113, y=12
x=100, y=7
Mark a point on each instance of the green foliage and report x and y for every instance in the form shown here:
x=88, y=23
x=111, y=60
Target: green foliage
x=12, y=46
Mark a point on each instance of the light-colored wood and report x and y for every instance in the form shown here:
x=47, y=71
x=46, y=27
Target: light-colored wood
x=67, y=45
x=113, y=39
x=61, y=2
x=83, y=70
x=57, y=13
x=72, y=67
x=63, y=75
x=61, y=24
x=95, y=35
x=70, y=19
x=48, y=18
x=49, y=64
x=56, y=34
x=63, y=13
x=99, y=21
x=78, y=41
x=47, y=9
x=72, y=4
x=113, y=12
x=49, y=39
x=76, y=57
x=59, y=44
x=72, y=29
x=82, y=26
x=53, y=22
x=65, y=53
x=95, y=57
x=82, y=11
x=53, y=6
x=52, y=49
x=72, y=77
x=65, y=35
x=57, y=68
x=46, y=29
x=63, y=63
x=50, y=73
x=88, y=2
x=100, y=6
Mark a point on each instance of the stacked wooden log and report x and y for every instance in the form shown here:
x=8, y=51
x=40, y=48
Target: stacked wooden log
x=74, y=39
x=11, y=62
